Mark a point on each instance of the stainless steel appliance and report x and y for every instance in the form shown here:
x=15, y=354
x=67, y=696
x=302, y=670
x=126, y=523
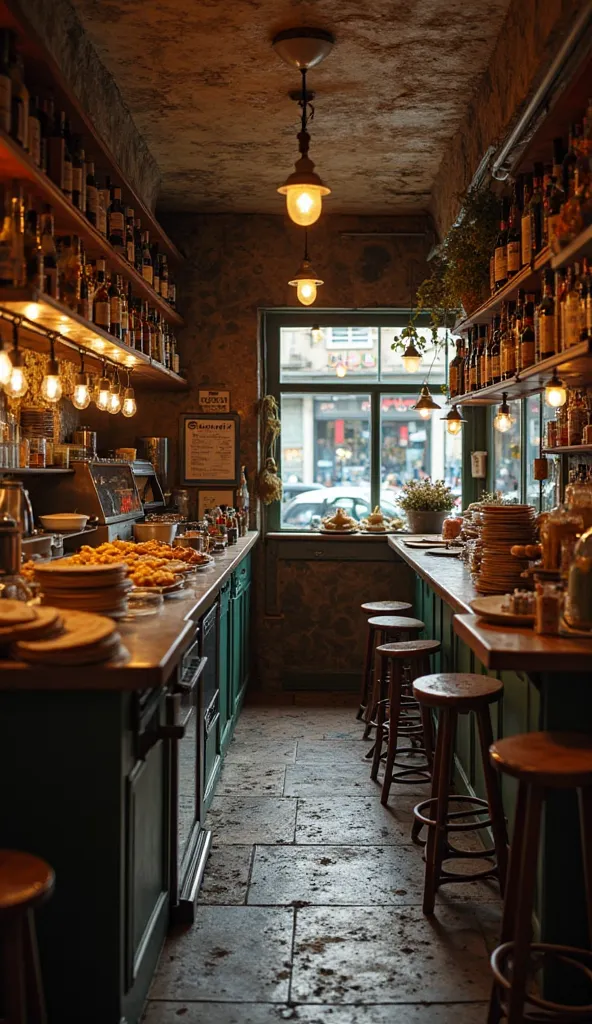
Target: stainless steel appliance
x=148, y=485
x=87, y=439
x=156, y=451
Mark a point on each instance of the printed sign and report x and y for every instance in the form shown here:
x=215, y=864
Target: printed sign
x=214, y=401
x=210, y=449
x=210, y=499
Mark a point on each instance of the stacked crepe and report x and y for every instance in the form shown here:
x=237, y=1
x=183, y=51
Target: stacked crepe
x=503, y=526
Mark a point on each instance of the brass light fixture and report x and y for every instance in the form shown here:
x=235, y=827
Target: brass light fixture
x=306, y=281
x=18, y=385
x=504, y=419
x=555, y=392
x=129, y=406
x=411, y=359
x=454, y=421
x=425, y=404
x=104, y=392
x=304, y=48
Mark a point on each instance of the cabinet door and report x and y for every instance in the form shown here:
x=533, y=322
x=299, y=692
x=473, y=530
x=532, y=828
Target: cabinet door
x=236, y=659
x=224, y=663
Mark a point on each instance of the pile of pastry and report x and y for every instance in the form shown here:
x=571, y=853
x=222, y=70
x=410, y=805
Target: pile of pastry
x=340, y=522
x=377, y=522
x=149, y=564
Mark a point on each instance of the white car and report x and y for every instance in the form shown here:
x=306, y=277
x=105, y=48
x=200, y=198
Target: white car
x=306, y=510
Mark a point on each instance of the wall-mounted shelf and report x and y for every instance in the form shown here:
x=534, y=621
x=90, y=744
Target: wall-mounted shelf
x=573, y=364
x=528, y=279
x=31, y=471
x=42, y=313
x=569, y=449
x=581, y=246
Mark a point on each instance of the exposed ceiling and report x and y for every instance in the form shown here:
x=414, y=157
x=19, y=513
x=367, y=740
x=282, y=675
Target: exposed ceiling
x=210, y=96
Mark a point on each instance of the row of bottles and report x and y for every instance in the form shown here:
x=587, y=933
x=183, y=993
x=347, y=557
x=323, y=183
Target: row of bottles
x=44, y=133
x=549, y=206
x=32, y=255
x=573, y=422
x=536, y=326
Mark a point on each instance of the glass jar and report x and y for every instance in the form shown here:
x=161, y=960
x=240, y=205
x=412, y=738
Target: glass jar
x=37, y=452
x=578, y=604
x=24, y=453
x=560, y=523
x=578, y=498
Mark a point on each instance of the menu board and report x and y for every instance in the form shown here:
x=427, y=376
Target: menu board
x=210, y=449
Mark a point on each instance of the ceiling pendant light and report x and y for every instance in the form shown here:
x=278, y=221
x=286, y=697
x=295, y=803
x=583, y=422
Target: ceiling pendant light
x=306, y=280
x=81, y=394
x=425, y=404
x=504, y=419
x=555, y=392
x=411, y=359
x=51, y=385
x=5, y=364
x=129, y=407
x=454, y=421
x=103, y=394
x=114, y=405
x=18, y=384
x=304, y=48
x=340, y=369
x=317, y=334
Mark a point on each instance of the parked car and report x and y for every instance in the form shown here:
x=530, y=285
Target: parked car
x=290, y=491
x=306, y=510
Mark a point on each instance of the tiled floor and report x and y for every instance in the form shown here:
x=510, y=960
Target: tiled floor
x=311, y=905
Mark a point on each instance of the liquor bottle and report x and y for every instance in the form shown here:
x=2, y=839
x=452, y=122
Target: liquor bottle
x=85, y=305
x=102, y=303
x=102, y=208
x=483, y=372
x=155, y=268
x=147, y=268
x=175, y=359
x=453, y=371
x=138, y=244
x=492, y=273
x=466, y=367
x=509, y=344
x=586, y=301
x=552, y=212
x=116, y=223
x=494, y=360
x=20, y=98
x=518, y=320
x=160, y=338
x=558, y=155
x=132, y=325
x=50, y=254
x=78, y=175
x=92, y=195
x=145, y=347
x=571, y=309
x=545, y=341
x=500, y=253
x=106, y=194
x=69, y=271
x=172, y=293
x=514, y=241
x=34, y=262
x=164, y=278
x=535, y=210
x=560, y=292
x=525, y=238
x=67, y=167
x=12, y=257
x=167, y=347
x=473, y=344
x=505, y=343
x=34, y=130
x=6, y=37
x=570, y=160
x=130, y=247
x=527, y=335
x=115, y=307
x=124, y=312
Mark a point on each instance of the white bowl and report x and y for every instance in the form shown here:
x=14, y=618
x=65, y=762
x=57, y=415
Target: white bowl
x=64, y=522
x=164, y=532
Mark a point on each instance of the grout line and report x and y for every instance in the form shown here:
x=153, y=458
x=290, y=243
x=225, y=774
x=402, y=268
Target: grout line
x=292, y=948
x=250, y=874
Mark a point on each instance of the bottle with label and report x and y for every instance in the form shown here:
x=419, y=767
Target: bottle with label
x=124, y=311
x=545, y=342
x=494, y=361
x=34, y=130
x=92, y=197
x=138, y=245
x=67, y=175
x=568, y=167
x=33, y=251
x=527, y=335
x=85, y=305
x=500, y=251
x=164, y=278
x=115, y=307
x=535, y=209
x=514, y=241
x=50, y=254
x=130, y=248
x=525, y=237
x=560, y=292
x=172, y=293
x=483, y=372
x=146, y=339
x=147, y=268
x=571, y=309
x=155, y=268
x=102, y=208
x=510, y=368
x=132, y=333
x=78, y=174
x=11, y=246
x=453, y=371
x=69, y=271
x=553, y=198
x=586, y=301
x=175, y=360
x=507, y=352
x=102, y=302
x=6, y=43
x=116, y=222
x=20, y=99
x=167, y=347
x=517, y=325
x=473, y=359
x=466, y=367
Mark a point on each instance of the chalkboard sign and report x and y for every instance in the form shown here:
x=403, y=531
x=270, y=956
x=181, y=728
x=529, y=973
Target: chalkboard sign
x=210, y=449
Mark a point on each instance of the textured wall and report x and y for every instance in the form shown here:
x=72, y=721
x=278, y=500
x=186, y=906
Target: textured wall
x=530, y=36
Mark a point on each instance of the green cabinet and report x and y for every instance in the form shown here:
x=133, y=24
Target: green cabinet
x=224, y=667
x=240, y=619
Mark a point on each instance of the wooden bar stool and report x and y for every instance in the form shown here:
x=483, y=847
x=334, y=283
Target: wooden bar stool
x=400, y=664
x=454, y=694
x=371, y=608
x=541, y=761
x=25, y=882
x=384, y=629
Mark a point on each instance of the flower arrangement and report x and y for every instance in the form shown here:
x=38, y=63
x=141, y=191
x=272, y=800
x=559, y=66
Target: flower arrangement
x=426, y=496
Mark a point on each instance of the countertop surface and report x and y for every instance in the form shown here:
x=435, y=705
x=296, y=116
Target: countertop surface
x=155, y=644
x=510, y=647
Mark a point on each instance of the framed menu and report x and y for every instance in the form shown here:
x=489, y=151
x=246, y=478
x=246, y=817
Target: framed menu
x=210, y=449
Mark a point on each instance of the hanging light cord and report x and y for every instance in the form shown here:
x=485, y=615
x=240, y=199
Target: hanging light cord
x=306, y=245
x=307, y=115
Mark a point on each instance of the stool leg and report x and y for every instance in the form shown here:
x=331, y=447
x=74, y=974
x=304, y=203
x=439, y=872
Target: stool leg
x=441, y=791
x=36, y=999
x=585, y=797
x=377, y=641
x=13, y=972
x=523, y=929
x=394, y=718
x=381, y=669
x=494, y=797
x=367, y=675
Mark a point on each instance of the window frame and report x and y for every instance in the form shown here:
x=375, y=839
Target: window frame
x=271, y=323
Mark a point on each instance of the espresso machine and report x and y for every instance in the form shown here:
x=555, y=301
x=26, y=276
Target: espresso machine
x=12, y=518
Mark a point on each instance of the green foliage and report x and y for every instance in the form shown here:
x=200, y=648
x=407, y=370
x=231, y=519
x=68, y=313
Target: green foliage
x=426, y=496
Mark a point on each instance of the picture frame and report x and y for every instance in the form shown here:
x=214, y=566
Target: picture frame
x=209, y=444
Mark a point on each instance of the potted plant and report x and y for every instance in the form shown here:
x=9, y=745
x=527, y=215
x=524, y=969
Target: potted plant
x=426, y=503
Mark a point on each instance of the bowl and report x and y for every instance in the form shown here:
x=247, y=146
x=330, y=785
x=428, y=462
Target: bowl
x=188, y=541
x=64, y=522
x=164, y=532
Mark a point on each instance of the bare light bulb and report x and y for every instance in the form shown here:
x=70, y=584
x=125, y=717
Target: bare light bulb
x=104, y=394
x=411, y=359
x=5, y=367
x=81, y=395
x=51, y=387
x=304, y=204
x=114, y=405
x=129, y=407
x=425, y=413
x=454, y=426
x=340, y=370
x=306, y=292
x=555, y=394
x=503, y=421
x=18, y=384
x=317, y=334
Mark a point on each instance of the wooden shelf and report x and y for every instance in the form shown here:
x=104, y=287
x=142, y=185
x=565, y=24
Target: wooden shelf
x=569, y=449
x=528, y=279
x=581, y=246
x=43, y=75
x=31, y=471
x=573, y=364
x=16, y=164
x=41, y=313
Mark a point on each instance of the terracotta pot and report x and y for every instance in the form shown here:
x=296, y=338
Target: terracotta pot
x=425, y=522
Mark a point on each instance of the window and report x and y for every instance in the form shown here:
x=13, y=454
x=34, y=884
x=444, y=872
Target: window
x=514, y=453
x=350, y=436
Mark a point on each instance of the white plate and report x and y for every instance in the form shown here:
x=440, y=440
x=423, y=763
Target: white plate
x=490, y=610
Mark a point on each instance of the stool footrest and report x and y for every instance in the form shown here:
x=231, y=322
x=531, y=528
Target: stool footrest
x=479, y=807
x=474, y=876
x=572, y=956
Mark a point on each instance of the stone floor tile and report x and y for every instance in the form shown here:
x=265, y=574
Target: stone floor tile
x=268, y=1013
x=305, y=780
x=340, y=751
x=350, y=820
x=259, y=750
x=226, y=876
x=489, y=916
x=252, y=780
x=230, y=954
x=336, y=875
x=244, y=820
x=349, y=955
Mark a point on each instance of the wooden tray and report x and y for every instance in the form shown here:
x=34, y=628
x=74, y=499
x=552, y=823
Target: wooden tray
x=490, y=610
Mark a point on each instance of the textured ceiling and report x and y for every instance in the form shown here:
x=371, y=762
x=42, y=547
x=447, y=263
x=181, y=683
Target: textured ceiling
x=209, y=94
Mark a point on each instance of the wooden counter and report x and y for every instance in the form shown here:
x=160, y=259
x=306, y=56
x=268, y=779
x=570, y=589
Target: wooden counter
x=449, y=577
x=155, y=644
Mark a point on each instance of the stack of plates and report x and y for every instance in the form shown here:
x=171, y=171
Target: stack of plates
x=98, y=589
x=85, y=639
x=18, y=621
x=501, y=527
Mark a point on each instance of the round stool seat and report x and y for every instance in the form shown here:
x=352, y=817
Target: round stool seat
x=554, y=759
x=462, y=690
x=24, y=880
x=407, y=648
x=386, y=607
x=392, y=623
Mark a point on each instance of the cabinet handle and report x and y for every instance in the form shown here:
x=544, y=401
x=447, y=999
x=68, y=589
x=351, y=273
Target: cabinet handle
x=318, y=554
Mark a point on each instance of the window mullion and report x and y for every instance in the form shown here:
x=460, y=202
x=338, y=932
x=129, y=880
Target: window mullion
x=375, y=453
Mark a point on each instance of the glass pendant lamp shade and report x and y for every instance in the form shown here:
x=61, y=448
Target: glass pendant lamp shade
x=306, y=282
x=411, y=359
x=504, y=419
x=555, y=392
x=425, y=404
x=304, y=192
x=454, y=421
